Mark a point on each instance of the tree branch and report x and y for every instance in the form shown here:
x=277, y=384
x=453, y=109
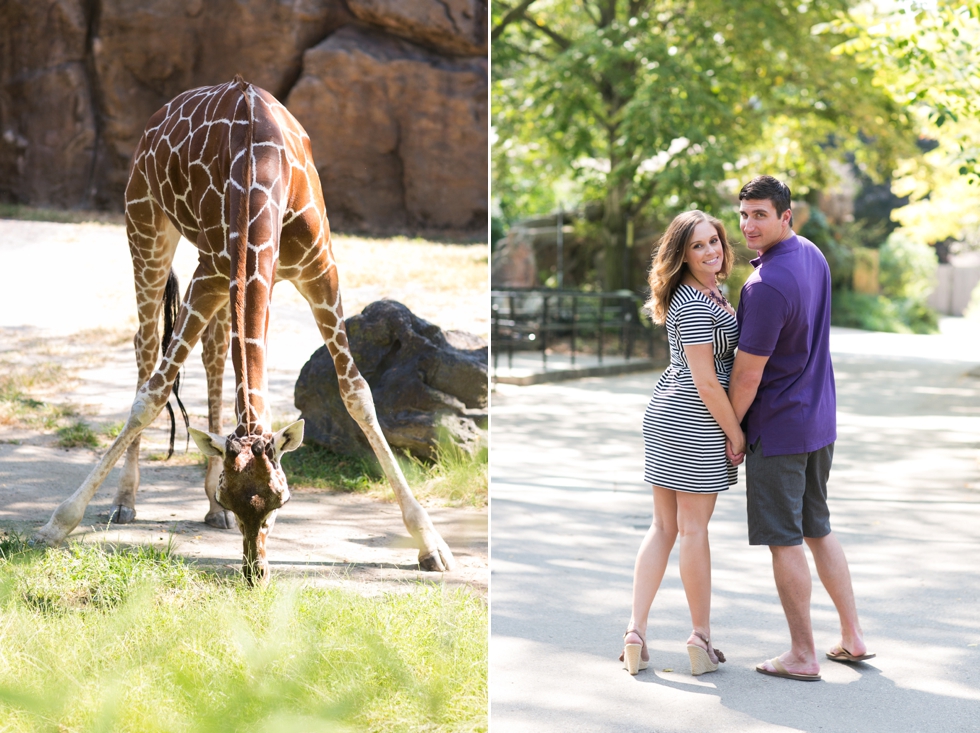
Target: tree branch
x=562, y=42
x=515, y=13
x=636, y=208
x=588, y=11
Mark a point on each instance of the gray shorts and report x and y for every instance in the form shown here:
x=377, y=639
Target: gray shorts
x=787, y=495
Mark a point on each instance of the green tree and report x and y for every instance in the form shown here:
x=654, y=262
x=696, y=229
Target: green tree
x=927, y=55
x=651, y=106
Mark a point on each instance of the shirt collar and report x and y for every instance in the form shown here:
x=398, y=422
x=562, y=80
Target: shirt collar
x=790, y=244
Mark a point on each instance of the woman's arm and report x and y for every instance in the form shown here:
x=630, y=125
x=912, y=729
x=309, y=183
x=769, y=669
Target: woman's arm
x=700, y=358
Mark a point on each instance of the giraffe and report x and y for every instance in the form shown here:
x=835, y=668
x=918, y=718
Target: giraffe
x=230, y=169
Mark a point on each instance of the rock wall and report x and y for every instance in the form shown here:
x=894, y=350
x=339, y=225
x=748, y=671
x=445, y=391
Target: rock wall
x=392, y=92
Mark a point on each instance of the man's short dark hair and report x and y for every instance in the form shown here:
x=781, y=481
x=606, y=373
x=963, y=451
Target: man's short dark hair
x=767, y=188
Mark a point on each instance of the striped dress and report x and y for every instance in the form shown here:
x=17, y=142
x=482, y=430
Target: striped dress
x=685, y=446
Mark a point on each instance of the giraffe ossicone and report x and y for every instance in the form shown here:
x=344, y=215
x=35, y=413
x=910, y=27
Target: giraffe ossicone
x=231, y=170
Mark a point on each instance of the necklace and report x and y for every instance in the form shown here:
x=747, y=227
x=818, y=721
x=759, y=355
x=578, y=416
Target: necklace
x=712, y=295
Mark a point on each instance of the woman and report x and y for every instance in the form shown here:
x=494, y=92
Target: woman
x=685, y=427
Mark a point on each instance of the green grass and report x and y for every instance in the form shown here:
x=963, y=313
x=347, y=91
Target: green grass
x=111, y=430
x=314, y=467
x=77, y=434
x=455, y=477
x=18, y=407
x=102, y=639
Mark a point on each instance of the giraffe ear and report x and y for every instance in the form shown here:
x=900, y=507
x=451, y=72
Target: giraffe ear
x=289, y=438
x=208, y=443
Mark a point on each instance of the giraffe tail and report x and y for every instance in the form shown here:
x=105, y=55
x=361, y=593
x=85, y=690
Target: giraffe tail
x=171, y=307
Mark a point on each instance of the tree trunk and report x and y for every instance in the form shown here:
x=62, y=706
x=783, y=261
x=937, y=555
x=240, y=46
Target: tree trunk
x=614, y=225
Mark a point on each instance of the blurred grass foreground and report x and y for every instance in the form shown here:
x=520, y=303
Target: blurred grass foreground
x=95, y=638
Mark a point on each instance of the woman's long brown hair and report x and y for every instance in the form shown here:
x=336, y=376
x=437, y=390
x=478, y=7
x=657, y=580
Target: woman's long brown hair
x=668, y=265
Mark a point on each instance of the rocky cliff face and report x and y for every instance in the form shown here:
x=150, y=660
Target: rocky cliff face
x=392, y=92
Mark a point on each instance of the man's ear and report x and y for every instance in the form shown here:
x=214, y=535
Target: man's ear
x=208, y=443
x=289, y=438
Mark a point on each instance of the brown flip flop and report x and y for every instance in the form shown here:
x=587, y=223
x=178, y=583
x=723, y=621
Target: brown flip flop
x=845, y=656
x=781, y=671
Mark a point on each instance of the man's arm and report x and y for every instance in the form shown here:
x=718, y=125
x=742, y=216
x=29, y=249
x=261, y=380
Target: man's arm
x=745, y=380
x=746, y=376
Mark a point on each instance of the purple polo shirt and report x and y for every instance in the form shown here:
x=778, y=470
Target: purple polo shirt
x=784, y=313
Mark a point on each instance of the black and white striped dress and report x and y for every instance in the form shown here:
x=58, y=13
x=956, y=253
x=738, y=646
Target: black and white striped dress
x=685, y=446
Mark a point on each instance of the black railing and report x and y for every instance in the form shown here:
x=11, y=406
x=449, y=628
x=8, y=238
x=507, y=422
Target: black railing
x=542, y=319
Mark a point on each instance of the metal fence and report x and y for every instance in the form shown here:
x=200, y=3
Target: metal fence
x=537, y=319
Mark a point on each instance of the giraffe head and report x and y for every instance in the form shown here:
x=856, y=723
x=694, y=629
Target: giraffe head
x=252, y=486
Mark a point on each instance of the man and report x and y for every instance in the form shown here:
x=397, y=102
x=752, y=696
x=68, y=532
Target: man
x=782, y=383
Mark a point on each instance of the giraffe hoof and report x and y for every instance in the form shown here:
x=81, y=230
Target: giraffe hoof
x=220, y=519
x=434, y=563
x=122, y=514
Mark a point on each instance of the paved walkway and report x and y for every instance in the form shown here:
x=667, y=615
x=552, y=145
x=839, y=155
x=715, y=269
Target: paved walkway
x=569, y=509
x=527, y=367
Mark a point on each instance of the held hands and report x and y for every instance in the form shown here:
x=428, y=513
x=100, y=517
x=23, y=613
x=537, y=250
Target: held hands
x=735, y=450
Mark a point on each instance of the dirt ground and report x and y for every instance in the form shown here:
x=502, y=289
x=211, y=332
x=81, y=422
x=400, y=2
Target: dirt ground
x=81, y=317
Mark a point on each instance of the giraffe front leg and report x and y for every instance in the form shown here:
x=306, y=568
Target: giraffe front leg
x=147, y=346
x=323, y=295
x=152, y=242
x=70, y=512
x=204, y=295
x=434, y=553
x=215, y=352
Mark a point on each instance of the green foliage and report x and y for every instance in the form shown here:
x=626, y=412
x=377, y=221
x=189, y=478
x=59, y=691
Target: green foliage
x=736, y=279
x=868, y=312
x=908, y=268
x=77, y=434
x=98, y=639
x=924, y=55
x=906, y=271
x=658, y=107
x=878, y=313
x=839, y=255
x=498, y=230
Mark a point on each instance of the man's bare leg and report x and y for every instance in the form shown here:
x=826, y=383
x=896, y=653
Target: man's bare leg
x=792, y=574
x=828, y=555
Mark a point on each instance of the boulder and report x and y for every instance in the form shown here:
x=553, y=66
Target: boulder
x=140, y=67
x=47, y=121
x=425, y=382
x=399, y=133
x=456, y=27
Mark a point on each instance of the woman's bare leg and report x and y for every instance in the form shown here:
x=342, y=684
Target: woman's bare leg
x=651, y=560
x=693, y=513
